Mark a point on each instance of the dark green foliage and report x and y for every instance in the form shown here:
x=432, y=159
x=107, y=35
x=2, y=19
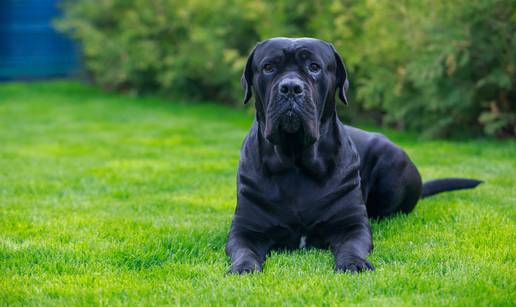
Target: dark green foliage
x=442, y=67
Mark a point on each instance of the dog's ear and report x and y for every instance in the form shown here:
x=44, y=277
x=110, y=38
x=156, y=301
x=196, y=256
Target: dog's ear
x=247, y=78
x=341, y=77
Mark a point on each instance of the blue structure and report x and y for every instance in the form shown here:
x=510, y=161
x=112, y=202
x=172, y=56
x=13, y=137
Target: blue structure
x=29, y=46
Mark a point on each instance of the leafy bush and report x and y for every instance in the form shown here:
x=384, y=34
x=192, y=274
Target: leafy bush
x=440, y=66
x=435, y=66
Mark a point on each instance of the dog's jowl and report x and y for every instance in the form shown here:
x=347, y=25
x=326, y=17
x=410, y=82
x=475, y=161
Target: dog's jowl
x=304, y=178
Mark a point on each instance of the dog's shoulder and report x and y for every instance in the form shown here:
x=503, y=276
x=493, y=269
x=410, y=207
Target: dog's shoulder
x=249, y=151
x=376, y=146
x=362, y=138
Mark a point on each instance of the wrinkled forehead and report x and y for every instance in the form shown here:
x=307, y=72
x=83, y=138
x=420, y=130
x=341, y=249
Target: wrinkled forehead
x=282, y=46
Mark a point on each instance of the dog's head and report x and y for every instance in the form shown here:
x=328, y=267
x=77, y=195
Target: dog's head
x=294, y=81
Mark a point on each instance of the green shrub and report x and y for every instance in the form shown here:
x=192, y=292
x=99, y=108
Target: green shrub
x=442, y=67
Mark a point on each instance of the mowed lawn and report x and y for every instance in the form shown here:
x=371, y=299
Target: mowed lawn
x=108, y=199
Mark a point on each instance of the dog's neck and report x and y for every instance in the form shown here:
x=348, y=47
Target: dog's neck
x=294, y=154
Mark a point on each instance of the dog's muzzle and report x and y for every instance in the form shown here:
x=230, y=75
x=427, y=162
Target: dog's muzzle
x=290, y=122
x=291, y=92
x=291, y=112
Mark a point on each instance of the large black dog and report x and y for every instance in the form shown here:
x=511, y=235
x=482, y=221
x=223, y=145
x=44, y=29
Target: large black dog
x=304, y=178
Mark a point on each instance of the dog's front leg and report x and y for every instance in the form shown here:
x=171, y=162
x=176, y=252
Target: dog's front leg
x=351, y=248
x=247, y=253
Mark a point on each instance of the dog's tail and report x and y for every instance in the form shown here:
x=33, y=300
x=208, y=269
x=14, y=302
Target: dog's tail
x=433, y=187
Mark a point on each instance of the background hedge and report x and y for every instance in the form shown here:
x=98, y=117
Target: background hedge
x=441, y=67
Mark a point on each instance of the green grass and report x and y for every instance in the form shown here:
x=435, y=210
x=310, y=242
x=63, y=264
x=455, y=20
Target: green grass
x=108, y=199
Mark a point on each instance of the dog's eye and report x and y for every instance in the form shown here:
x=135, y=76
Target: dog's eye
x=314, y=67
x=268, y=68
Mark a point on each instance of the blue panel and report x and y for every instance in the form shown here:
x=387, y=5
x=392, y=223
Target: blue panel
x=29, y=46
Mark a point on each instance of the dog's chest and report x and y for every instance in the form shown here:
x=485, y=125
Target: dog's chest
x=299, y=195
x=301, y=210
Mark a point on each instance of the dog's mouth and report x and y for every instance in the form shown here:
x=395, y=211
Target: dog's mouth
x=291, y=124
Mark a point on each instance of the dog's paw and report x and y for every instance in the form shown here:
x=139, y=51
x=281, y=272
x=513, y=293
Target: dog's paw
x=245, y=267
x=355, y=265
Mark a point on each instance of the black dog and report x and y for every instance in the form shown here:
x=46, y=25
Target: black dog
x=304, y=178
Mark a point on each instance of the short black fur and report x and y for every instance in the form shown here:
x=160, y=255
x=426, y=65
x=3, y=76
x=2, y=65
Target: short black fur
x=303, y=176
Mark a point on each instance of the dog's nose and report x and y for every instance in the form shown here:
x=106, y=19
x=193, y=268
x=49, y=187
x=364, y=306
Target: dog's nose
x=291, y=86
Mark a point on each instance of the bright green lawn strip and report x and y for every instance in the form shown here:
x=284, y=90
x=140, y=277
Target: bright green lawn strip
x=110, y=199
